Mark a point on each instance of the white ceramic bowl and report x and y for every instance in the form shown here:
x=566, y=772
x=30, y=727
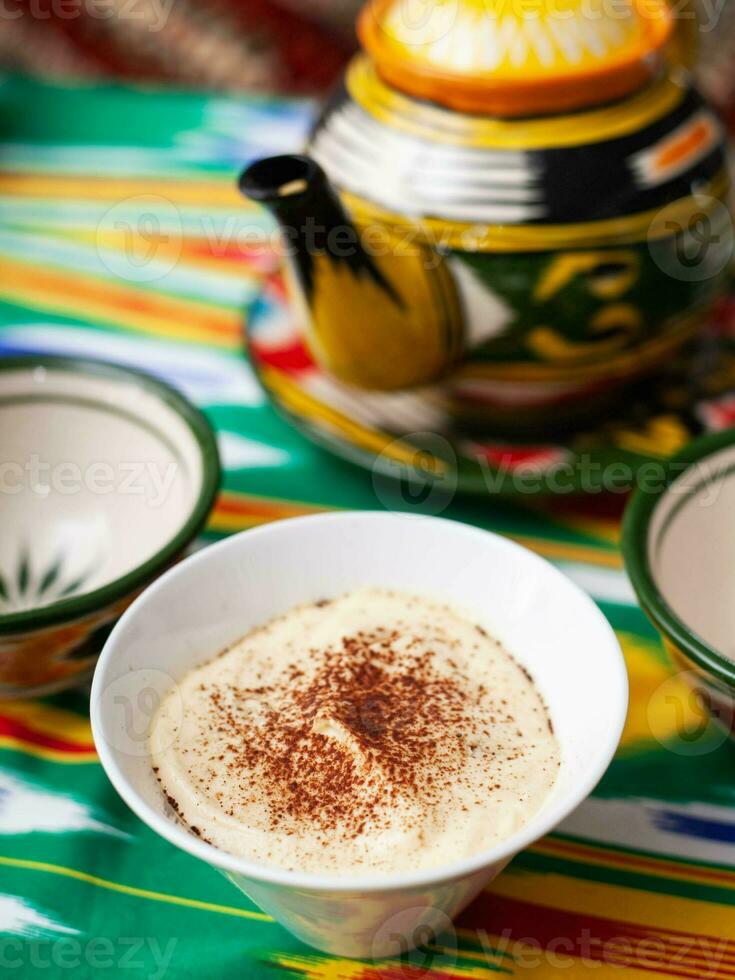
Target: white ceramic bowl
x=213, y=598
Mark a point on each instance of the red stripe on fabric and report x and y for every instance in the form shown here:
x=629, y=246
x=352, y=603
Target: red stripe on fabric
x=593, y=938
x=10, y=727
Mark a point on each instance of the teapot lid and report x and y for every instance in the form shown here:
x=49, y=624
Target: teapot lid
x=517, y=57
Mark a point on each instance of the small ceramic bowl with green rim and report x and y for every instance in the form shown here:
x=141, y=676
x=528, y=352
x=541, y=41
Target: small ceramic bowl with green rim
x=679, y=549
x=106, y=476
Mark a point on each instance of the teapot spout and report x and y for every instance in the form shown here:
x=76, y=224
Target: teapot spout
x=294, y=188
x=313, y=221
x=360, y=325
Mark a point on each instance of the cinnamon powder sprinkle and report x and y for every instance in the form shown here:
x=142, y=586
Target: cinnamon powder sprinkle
x=366, y=702
x=374, y=731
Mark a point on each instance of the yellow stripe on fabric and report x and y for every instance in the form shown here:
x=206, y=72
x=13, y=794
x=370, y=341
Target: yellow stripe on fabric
x=237, y=511
x=114, y=886
x=608, y=531
x=205, y=193
x=316, y=967
x=633, y=906
x=651, y=724
x=555, y=551
x=126, y=306
x=49, y=720
x=563, y=551
x=604, y=530
x=201, y=254
x=231, y=524
x=50, y=755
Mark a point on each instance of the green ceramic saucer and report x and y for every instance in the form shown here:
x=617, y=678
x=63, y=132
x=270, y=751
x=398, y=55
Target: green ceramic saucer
x=679, y=549
x=107, y=475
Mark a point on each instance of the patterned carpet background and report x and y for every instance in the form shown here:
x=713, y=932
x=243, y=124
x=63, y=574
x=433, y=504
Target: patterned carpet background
x=268, y=45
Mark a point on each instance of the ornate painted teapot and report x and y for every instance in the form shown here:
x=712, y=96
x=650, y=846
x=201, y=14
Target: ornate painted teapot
x=518, y=202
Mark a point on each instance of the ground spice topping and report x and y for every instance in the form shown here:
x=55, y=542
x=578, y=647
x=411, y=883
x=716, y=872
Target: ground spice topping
x=374, y=722
x=373, y=731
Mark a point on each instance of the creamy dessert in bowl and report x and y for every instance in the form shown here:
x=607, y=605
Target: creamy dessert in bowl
x=378, y=732
x=679, y=548
x=489, y=622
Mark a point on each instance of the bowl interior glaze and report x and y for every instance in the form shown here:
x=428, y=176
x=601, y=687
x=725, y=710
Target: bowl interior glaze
x=692, y=549
x=108, y=474
x=679, y=546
